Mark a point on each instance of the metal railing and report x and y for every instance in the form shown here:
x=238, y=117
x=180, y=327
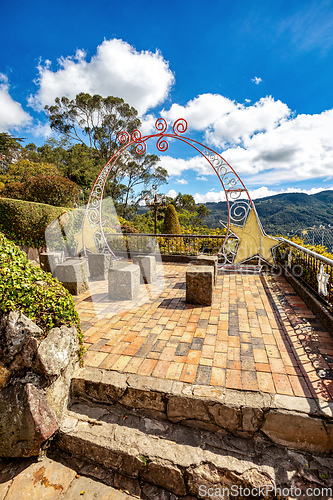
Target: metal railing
x=166, y=244
x=310, y=267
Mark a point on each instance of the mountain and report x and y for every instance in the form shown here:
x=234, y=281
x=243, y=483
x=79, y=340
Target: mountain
x=283, y=213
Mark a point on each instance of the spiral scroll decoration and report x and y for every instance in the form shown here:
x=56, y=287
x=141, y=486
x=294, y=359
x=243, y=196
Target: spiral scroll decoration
x=180, y=126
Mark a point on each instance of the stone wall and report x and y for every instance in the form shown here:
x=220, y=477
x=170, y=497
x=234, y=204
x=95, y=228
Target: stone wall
x=35, y=375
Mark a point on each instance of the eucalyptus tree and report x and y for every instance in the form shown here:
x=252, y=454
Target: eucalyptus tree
x=94, y=122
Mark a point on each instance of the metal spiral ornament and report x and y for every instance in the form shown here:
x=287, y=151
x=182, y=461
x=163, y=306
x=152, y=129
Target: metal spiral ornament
x=161, y=125
x=123, y=137
x=162, y=144
x=141, y=148
x=180, y=126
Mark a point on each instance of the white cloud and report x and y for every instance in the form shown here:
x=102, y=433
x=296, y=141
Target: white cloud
x=12, y=114
x=172, y=193
x=262, y=192
x=201, y=178
x=143, y=79
x=256, y=80
x=181, y=181
x=175, y=166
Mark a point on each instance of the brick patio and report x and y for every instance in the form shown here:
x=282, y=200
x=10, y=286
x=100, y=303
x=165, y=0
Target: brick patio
x=258, y=335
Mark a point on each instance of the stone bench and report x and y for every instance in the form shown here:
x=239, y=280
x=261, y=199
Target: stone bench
x=73, y=274
x=50, y=260
x=99, y=265
x=208, y=260
x=124, y=281
x=199, y=285
x=147, y=264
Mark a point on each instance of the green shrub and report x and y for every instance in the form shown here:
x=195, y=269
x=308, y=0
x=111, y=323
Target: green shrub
x=171, y=223
x=26, y=288
x=25, y=222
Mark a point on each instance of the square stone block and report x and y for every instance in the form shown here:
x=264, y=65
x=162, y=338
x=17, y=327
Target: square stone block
x=147, y=264
x=50, y=260
x=208, y=260
x=124, y=282
x=99, y=264
x=199, y=285
x=73, y=274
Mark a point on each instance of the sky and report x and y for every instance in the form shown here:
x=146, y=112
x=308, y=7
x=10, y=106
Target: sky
x=253, y=79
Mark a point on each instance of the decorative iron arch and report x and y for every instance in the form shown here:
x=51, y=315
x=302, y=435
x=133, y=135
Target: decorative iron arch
x=239, y=208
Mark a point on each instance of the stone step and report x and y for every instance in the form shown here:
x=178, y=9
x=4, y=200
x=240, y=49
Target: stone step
x=141, y=450
x=298, y=423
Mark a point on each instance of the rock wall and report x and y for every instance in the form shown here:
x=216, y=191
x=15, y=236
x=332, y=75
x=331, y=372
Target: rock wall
x=35, y=375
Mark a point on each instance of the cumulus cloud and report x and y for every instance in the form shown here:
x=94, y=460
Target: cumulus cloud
x=172, y=193
x=175, y=166
x=12, y=114
x=264, y=142
x=262, y=192
x=256, y=80
x=181, y=181
x=143, y=79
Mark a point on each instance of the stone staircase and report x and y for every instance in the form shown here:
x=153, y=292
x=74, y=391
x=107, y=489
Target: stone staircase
x=157, y=438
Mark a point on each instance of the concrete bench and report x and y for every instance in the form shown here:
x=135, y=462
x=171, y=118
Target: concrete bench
x=199, y=285
x=50, y=260
x=208, y=260
x=124, y=282
x=73, y=274
x=99, y=265
x=147, y=264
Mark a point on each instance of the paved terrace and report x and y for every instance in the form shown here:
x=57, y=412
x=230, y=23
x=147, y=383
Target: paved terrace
x=258, y=335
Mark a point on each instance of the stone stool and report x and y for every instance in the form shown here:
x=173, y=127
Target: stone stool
x=208, y=260
x=147, y=264
x=199, y=285
x=73, y=274
x=124, y=282
x=99, y=264
x=50, y=260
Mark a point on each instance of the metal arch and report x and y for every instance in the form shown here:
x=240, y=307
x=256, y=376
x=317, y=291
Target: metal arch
x=238, y=209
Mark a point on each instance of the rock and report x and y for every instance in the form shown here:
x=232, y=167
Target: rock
x=50, y=260
x=227, y=417
x=147, y=265
x=26, y=420
x=99, y=265
x=199, y=285
x=298, y=431
x=35, y=376
x=57, y=349
x=124, y=283
x=5, y=375
x=73, y=274
x=15, y=330
x=208, y=260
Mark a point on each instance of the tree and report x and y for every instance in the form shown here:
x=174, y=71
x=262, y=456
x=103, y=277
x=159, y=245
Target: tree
x=171, y=223
x=9, y=150
x=185, y=202
x=97, y=118
x=93, y=123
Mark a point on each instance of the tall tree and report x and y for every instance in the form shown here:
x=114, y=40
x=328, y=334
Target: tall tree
x=93, y=123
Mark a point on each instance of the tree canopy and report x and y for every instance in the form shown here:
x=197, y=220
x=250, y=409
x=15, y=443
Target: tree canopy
x=89, y=126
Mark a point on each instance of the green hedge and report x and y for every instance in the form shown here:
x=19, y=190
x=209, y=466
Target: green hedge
x=24, y=222
x=26, y=288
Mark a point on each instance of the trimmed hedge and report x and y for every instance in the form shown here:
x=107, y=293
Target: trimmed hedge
x=27, y=288
x=24, y=222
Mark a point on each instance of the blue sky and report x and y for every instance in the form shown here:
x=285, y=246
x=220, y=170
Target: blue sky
x=253, y=79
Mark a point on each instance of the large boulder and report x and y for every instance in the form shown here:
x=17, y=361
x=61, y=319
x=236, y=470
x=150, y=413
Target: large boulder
x=35, y=374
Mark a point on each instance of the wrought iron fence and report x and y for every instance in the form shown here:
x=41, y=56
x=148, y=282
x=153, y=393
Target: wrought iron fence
x=167, y=244
x=308, y=266
x=320, y=235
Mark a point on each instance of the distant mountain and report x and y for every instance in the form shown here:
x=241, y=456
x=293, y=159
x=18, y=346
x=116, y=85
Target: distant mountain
x=283, y=213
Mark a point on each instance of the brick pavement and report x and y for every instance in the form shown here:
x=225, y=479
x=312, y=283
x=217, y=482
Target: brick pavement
x=258, y=335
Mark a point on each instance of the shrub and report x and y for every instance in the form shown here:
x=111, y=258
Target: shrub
x=25, y=222
x=26, y=288
x=171, y=223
